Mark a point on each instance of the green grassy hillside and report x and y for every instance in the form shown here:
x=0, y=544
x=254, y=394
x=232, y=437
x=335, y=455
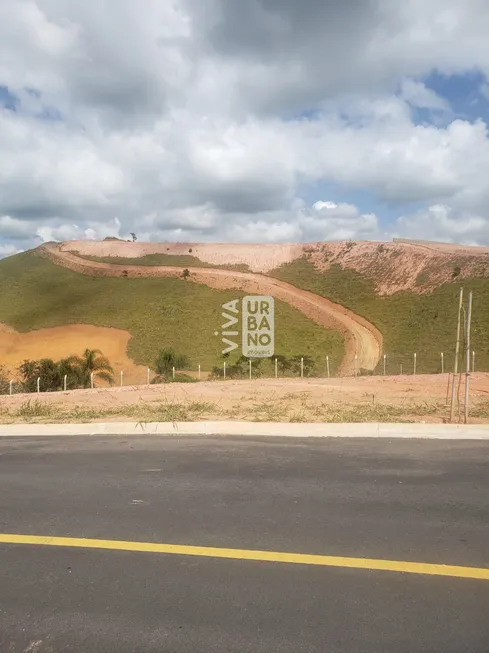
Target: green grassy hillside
x=160, y=312
x=410, y=322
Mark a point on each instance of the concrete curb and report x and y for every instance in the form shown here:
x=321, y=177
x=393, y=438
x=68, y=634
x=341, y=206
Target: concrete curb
x=259, y=429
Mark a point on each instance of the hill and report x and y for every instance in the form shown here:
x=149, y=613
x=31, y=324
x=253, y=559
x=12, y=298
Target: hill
x=366, y=298
x=149, y=314
x=408, y=290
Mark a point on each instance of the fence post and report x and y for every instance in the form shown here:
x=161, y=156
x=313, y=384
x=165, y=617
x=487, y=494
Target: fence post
x=327, y=366
x=302, y=367
x=122, y=375
x=250, y=368
x=467, y=343
x=356, y=364
x=148, y=375
x=473, y=361
x=39, y=384
x=442, y=364
x=385, y=355
x=91, y=380
x=276, y=369
x=224, y=369
x=11, y=386
x=401, y=369
x=414, y=367
x=199, y=372
x=65, y=379
x=173, y=372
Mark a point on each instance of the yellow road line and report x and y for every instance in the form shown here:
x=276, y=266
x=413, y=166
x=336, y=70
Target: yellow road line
x=371, y=564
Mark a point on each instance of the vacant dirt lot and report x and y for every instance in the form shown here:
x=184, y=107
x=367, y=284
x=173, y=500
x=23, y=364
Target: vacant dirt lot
x=388, y=399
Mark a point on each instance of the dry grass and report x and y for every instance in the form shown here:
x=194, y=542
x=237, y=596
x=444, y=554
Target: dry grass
x=35, y=411
x=391, y=399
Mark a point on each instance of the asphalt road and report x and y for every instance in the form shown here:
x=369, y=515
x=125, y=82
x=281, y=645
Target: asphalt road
x=422, y=501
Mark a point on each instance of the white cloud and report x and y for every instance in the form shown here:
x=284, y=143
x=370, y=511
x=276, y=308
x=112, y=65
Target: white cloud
x=15, y=229
x=443, y=223
x=418, y=95
x=331, y=221
x=186, y=120
x=92, y=231
x=8, y=250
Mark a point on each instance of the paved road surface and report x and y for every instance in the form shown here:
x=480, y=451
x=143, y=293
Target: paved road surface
x=423, y=501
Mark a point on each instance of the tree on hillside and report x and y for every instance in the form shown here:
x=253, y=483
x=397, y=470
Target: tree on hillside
x=45, y=369
x=186, y=273
x=134, y=237
x=94, y=361
x=76, y=368
x=166, y=360
x=71, y=367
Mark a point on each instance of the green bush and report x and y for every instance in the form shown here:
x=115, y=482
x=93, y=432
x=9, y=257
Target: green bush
x=167, y=360
x=77, y=369
x=4, y=381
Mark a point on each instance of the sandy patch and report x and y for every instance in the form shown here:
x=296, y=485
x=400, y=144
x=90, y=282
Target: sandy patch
x=60, y=342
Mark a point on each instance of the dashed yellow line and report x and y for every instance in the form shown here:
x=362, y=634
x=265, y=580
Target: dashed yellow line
x=371, y=564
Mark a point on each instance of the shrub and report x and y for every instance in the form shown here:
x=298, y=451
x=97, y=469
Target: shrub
x=45, y=369
x=308, y=363
x=166, y=360
x=77, y=369
x=4, y=381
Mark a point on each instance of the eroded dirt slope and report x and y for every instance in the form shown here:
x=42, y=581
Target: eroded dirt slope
x=392, y=266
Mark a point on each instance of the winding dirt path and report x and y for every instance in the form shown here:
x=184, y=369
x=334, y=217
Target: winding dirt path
x=363, y=341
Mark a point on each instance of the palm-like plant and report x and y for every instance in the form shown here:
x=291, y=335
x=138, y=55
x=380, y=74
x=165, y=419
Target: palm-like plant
x=72, y=368
x=93, y=361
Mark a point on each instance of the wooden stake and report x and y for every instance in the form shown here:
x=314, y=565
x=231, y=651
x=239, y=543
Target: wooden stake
x=448, y=390
x=457, y=350
x=467, y=360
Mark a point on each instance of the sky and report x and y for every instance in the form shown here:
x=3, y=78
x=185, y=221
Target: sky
x=243, y=120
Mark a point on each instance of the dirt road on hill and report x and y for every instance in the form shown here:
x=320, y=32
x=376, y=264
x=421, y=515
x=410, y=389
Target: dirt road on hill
x=363, y=342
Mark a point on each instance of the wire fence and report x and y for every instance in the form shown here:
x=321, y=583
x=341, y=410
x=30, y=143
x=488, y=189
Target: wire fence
x=410, y=364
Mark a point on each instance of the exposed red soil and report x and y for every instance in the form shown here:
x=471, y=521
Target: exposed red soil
x=393, y=266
